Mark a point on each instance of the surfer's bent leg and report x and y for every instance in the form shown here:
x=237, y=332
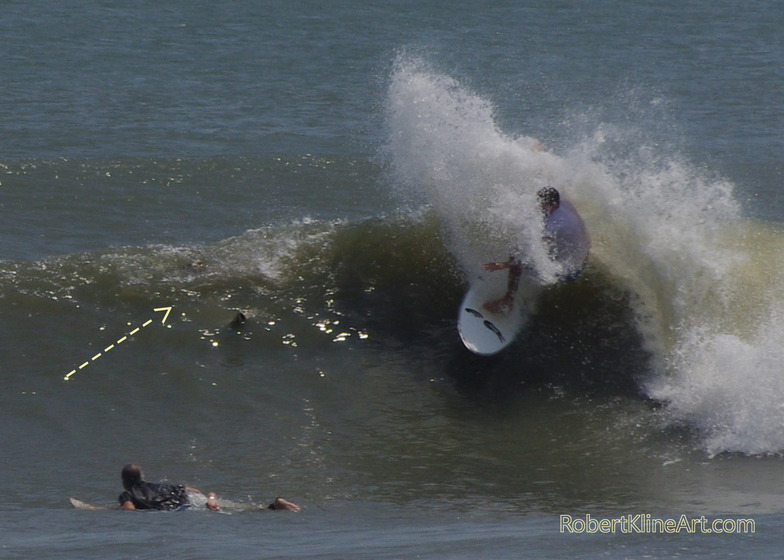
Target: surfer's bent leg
x=515, y=271
x=503, y=304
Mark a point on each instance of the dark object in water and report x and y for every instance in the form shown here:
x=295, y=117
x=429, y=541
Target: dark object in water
x=238, y=322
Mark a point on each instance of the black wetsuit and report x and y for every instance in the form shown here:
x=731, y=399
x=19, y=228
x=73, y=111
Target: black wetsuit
x=148, y=495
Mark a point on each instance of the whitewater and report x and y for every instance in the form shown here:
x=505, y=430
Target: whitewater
x=703, y=277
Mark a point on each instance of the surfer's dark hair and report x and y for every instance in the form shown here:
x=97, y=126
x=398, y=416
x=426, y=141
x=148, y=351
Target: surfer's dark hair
x=549, y=196
x=131, y=476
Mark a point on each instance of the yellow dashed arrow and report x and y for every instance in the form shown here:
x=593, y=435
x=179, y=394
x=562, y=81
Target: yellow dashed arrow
x=119, y=341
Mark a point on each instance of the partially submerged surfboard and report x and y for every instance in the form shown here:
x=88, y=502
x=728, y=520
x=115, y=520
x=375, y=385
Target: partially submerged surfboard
x=227, y=507
x=79, y=504
x=483, y=332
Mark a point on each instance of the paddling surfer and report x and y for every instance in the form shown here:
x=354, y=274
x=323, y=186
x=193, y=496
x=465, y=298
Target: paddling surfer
x=140, y=494
x=567, y=241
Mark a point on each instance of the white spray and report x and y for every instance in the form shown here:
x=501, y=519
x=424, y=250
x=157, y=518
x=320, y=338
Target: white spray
x=444, y=147
x=705, y=281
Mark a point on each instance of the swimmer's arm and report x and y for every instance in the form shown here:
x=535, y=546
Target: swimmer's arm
x=127, y=505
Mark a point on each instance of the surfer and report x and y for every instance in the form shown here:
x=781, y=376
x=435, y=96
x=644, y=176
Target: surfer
x=140, y=494
x=567, y=241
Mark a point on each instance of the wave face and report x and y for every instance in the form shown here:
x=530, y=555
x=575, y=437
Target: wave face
x=703, y=280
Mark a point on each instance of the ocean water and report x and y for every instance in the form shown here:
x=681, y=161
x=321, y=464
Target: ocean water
x=337, y=173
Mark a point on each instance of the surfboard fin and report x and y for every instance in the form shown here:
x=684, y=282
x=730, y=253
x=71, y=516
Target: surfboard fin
x=495, y=330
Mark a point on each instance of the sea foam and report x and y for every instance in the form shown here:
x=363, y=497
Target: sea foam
x=669, y=232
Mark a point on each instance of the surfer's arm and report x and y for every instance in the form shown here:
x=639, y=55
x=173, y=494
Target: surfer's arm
x=494, y=266
x=125, y=501
x=501, y=265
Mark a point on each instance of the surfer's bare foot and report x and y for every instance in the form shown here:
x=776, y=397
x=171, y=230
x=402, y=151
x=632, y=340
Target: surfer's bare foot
x=212, y=502
x=282, y=504
x=503, y=305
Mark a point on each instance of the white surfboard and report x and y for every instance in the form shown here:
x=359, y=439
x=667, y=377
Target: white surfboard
x=483, y=332
x=227, y=507
x=79, y=504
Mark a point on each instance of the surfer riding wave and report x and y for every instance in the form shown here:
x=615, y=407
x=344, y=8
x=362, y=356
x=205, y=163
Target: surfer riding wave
x=567, y=241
